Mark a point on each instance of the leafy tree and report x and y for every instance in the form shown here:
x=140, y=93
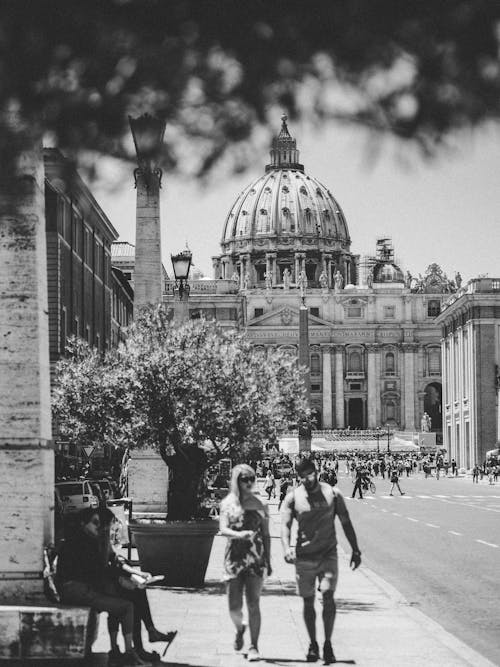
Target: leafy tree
x=214, y=68
x=177, y=389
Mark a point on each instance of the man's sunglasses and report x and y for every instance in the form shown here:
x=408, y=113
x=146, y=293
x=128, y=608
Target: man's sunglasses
x=247, y=479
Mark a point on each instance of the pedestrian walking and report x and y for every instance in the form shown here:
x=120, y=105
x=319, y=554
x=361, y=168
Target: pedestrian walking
x=358, y=483
x=270, y=485
x=314, y=505
x=475, y=474
x=395, y=481
x=244, y=520
x=284, y=484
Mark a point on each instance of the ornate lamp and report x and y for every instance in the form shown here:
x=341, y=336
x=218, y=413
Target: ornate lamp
x=181, y=264
x=147, y=132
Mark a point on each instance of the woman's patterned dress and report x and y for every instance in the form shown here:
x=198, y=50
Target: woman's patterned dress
x=244, y=556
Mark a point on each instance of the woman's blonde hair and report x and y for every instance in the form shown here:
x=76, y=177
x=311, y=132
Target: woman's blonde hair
x=234, y=488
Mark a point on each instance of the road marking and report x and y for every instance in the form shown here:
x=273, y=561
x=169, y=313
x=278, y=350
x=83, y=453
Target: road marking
x=396, y=514
x=431, y=525
x=384, y=510
x=440, y=496
x=488, y=544
x=386, y=497
x=423, y=497
x=411, y=519
x=454, y=532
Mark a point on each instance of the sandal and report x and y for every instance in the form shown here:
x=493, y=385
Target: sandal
x=157, y=636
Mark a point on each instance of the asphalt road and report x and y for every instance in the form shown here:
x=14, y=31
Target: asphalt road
x=439, y=546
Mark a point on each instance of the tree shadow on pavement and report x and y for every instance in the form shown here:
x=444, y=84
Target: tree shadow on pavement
x=286, y=661
x=345, y=606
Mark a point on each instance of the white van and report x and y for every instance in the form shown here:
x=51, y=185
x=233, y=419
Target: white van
x=76, y=495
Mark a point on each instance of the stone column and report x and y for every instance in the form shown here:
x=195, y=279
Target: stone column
x=272, y=266
x=26, y=453
x=327, y=386
x=148, y=265
x=329, y=271
x=409, y=350
x=339, y=386
x=304, y=360
x=372, y=385
x=215, y=267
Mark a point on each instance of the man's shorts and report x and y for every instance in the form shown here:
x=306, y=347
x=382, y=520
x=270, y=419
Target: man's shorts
x=307, y=571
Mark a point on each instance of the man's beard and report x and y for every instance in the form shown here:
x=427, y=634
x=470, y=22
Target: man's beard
x=310, y=484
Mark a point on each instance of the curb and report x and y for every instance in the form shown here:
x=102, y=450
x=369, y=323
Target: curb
x=444, y=637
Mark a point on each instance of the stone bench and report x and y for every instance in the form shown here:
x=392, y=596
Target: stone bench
x=57, y=632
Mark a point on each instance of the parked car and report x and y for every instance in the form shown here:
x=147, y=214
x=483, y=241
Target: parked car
x=76, y=495
x=98, y=492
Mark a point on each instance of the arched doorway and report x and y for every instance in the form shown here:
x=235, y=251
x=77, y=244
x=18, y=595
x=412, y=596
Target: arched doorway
x=432, y=405
x=355, y=417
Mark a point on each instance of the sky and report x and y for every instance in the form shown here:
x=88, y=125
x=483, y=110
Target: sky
x=445, y=211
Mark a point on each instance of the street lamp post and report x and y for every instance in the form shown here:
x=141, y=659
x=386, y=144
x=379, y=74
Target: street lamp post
x=147, y=132
x=378, y=440
x=181, y=263
x=388, y=439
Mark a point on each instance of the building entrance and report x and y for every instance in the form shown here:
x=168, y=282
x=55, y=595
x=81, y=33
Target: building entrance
x=355, y=416
x=432, y=405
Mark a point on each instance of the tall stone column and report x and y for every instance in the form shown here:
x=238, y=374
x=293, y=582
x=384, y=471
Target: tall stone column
x=339, y=387
x=372, y=385
x=147, y=133
x=409, y=350
x=327, y=386
x=148, y=265
x=26, y=453
x=304, y=360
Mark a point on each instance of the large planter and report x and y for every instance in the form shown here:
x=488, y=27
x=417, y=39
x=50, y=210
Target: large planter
x=179, y=550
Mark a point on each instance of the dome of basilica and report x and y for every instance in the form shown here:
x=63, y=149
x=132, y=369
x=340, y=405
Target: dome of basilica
x=284, y=224
x=285, y=201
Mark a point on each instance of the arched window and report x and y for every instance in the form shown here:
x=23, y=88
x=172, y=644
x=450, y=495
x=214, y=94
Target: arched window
x=315, y=364
x=389, y=364
x=355, y=365
x=303, y=190
x=390, y=409
x=262, y=221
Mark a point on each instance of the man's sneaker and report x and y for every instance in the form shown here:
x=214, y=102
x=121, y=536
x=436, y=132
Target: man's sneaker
x=313, y=652
x=328, y=654
x=253, y=654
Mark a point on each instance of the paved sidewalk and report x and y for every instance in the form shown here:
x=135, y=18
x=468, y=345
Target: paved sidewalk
x=375, y=626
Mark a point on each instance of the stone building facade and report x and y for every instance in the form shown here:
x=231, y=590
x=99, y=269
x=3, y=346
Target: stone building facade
x=374, y=344
x=87, y=297
x=470, y=325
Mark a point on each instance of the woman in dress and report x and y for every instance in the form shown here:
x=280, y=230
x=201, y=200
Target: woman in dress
x=244, y=520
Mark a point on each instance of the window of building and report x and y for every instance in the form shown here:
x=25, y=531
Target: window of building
x=315, y=387
x=389, y=312
x=389, y=364
x=355, y=386
x=434, y=361
x=64, y=331
x=315, y=364
x=257, y=312
x=261, y=272
x=354, y=311
x=355, y=363
x=314, y=312
x=433, y=308
x=311, y=272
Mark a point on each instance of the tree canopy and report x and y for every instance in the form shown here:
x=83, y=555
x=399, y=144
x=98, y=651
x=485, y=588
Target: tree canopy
x=177, y=387
x=216, y=68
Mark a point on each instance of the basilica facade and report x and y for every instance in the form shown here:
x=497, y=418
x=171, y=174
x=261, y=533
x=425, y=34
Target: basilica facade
x=375, y=357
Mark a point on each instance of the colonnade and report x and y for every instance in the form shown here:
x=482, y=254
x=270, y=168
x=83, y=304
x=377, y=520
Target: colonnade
x=226, y=266
x=335, y=391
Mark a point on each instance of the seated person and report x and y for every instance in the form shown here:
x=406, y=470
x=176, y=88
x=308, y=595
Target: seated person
x=89, y=573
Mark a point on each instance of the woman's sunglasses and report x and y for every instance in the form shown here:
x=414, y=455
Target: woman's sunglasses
x=245, y=480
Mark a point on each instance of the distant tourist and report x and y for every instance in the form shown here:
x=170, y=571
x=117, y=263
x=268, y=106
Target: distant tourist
x=395, y=481
x=315, y=505
x=270, y=485
x=244, y=520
